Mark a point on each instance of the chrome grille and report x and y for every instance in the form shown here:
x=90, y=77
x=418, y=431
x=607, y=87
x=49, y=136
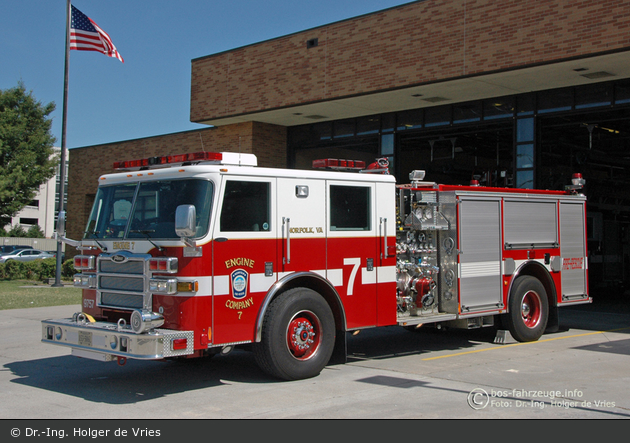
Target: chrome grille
x=130, y=267
x=122, y=280
x=135, y=284
x=122, y=300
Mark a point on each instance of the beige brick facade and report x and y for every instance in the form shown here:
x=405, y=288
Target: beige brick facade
x=421, y=42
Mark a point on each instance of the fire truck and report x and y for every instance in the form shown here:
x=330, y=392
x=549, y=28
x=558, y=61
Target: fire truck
x=193, y=255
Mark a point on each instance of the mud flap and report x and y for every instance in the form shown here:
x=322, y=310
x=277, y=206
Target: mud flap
x=553, y=322
x=340, y=352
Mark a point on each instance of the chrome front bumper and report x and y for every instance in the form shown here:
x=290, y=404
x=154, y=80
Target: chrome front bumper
x=104, y=341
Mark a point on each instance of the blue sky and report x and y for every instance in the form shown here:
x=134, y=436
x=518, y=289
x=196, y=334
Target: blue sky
x=149, y=94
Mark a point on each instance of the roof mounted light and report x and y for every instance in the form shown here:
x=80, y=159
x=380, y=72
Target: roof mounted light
x=339, y=164
x=577, y=183
x=212, y=158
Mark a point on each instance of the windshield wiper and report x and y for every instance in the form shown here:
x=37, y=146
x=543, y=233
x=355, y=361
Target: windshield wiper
x=148, y=237
x=94, y=237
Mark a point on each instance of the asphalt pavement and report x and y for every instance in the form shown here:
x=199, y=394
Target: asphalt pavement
x=579, y=372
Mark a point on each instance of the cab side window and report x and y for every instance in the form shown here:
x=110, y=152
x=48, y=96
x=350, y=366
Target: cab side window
x=350, y=208
x=246, y=207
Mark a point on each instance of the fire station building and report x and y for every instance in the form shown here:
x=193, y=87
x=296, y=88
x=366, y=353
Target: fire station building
x=510, y=93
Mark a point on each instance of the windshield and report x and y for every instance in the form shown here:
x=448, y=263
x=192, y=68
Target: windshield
x=150, y=206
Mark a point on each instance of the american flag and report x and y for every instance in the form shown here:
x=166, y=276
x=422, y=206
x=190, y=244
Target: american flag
x=85, y=35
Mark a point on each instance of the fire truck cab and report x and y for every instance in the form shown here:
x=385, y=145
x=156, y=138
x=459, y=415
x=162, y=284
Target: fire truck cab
x=191, y=255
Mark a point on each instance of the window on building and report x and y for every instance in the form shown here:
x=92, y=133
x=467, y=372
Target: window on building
x=501, y=107
x=344, y=128
x=438, y=116
x=622, y=92
x=555, y=100
x=589, y=96
x=410, y=119
x=525, y=104
x=368, y=125
x=467, y=112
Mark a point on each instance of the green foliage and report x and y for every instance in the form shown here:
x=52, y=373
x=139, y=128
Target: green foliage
x=26, y=149
x=36, y=270
x=46, y=268
x=35, y=232
x=13, y=269
x=16, y=231
x=67, y=268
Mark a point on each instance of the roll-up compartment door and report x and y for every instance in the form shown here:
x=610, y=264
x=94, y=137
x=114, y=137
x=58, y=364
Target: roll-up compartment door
x=480, y=254
x=573, y=250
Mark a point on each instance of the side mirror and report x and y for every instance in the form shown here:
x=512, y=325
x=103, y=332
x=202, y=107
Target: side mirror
x=61, y=223
x=185, y=221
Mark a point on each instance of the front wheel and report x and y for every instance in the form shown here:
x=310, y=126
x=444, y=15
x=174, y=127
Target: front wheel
x=528, y=309
x=298, y=335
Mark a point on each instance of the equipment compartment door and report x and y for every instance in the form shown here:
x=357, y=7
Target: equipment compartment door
x=480, y=254
x=573, y=250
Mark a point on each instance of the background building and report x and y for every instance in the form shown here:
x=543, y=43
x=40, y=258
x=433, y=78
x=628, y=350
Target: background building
x=42, y=210
x=515, y=93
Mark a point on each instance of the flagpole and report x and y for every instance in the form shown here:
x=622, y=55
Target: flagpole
x=62, y=162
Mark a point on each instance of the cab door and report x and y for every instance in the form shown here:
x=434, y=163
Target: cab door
x=301, y=220
x=244, y=255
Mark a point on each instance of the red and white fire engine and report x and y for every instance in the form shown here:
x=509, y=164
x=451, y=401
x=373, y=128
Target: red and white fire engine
x=191, y=255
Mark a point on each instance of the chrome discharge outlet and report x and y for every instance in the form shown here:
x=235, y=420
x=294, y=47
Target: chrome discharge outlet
x=143, y=321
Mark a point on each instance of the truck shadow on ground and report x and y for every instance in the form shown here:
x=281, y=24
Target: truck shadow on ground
x=136, y=381
x=394, y=341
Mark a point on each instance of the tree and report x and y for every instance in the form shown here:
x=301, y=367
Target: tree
x=26, y=149
x=35, y=231
x=16, y=231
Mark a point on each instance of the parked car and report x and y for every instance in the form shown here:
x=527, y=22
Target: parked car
x=7, y=249
x=26, y=255
x=54, y=253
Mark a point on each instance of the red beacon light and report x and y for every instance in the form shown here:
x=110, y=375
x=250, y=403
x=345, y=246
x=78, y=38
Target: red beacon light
x=211, y=158
x=577, y=182
x=380, y=166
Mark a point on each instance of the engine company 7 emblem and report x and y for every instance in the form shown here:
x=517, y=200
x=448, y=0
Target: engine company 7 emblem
x=239, y=283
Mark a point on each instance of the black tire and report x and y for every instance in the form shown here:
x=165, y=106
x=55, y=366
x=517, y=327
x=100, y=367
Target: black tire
x=298, y=335
x=528, y=309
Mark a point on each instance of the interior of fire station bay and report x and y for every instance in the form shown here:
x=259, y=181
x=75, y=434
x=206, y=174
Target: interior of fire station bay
x=511, y=94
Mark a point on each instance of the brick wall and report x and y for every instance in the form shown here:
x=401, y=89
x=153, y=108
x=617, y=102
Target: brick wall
x=87, y=164
x=416, y=43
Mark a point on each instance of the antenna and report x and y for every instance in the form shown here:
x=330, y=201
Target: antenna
x=201, y=139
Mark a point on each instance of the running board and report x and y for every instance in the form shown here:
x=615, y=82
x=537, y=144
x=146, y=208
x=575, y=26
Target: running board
x=411, y=321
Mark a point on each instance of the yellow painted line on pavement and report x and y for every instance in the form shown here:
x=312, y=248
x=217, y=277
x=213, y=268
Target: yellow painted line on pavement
x=520, y=344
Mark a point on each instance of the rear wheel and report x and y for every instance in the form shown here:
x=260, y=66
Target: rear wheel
x=298, y=335
x=528, y=309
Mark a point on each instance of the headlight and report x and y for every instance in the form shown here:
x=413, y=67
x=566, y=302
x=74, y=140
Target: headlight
x=85, y=280
x=163, y=286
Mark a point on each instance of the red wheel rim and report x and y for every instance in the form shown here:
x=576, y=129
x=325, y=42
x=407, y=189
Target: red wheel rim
x=531, y=309
x=304, y=335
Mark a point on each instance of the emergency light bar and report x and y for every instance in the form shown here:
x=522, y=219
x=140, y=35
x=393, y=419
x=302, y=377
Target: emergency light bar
x=339, y=164
x=212, y=158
